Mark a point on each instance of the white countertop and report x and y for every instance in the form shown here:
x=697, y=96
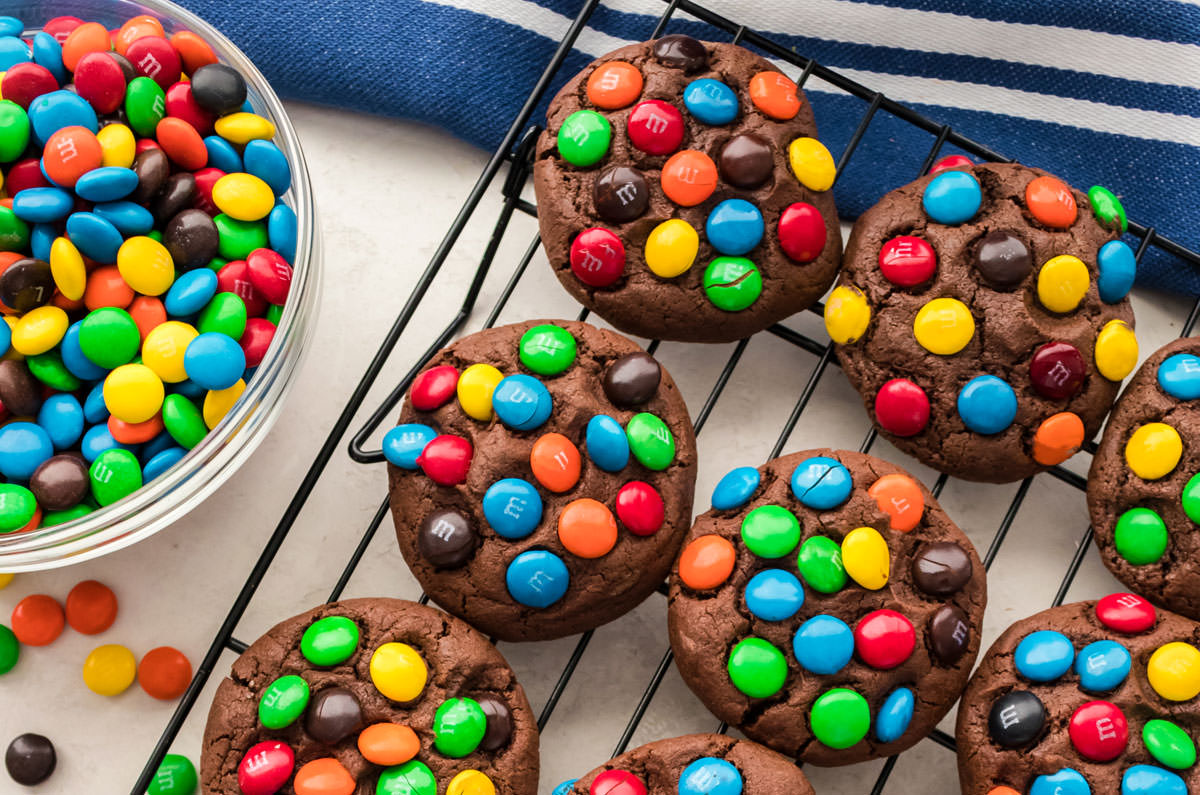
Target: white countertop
x=386, y=191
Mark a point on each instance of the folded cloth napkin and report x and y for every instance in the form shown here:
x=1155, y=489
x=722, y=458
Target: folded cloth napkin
x=1099, y=93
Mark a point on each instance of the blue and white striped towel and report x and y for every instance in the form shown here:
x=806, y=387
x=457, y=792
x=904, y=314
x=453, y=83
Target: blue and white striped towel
x=1097, y=92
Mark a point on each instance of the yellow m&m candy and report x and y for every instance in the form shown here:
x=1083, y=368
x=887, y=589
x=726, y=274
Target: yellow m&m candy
x=1153, y=450
x=243, y=196
x=944, y=326
x=475, y=388
x=67, y=268
x=1174, y=671
x=118, y=147
x=1062, y=283
x=865, y=556
x=163, y=350
x=109, y=670
x=398, y=672
x=471, y=782
x=1116, y=350
x=5, y=579
x=242, y=128
x=146, y=265
x=812, y=164
x=847, y=314
x=671, y=248
x=133, y=393
x=218, y=402
x=39, y=330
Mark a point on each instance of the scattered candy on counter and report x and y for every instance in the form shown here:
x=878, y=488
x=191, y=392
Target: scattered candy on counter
x=144, y=250
x=30, y=759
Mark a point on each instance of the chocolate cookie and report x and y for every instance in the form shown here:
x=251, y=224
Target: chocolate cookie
x=698, y=764
x=541, y=478
x=683, y=194
x=1088, y=697
x=983, y=316
x=827, y=607
x=1144, y=486
x=372, y=697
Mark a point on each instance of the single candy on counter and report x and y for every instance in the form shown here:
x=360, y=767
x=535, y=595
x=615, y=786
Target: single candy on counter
x=840, y=718
x=1057, y=370
x=458, y=727
x=820, y=565
x=650, y=441
x=944, y=325
x=587, y=528
x=707, y=562
x=823, y=645
x=655, y=127
x=398, y=672
x=710, y=776
x=176, y=775
x=746, y=161
x=775, y=94
x=774, y=595
x=710, y=101
x=388, y=744
x=688, y=177
x=164, y=673
x=1118, y=268
x=37, y=620
x=1016, y=718
x=265, y=768
x=1099, y=731
x=1116, y=350
x=521, y=402
x=736, y=488
x=512, y=507
x=1044, y=656
x=801, y=232
x=1151, y=780
x=941, y=568
x=30, y=759
x=866, y=558
x=884, y=639
x=907, y=261
x=1126, y=613
x=1169, y=744
x=597, y=257
x=1174, y=671
x=812, y=164
x=732, y=283
x=821, y=483
x=433, y=388
x=1102, y=666
x=1140, y=536
x=537, y=578
x=757, y=668
x=329, y=641
x=640, y=508
x=324, y=777
x=952, y=197
x=10, y=649
x=770, y=531
x=1002, y=259
x=671, y=248
x=555, y=462
x=1051, y=202
x=847, y=314
x=1153, y=450
x=91, y=607
x=620, y=194
x=447, y=538
x=987, y=404
x=895, y=715
x=109, y=670
x=282, y=702
x=607, y=444
x=402, y=445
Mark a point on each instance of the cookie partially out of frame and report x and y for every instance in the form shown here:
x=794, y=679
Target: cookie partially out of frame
x=1095, y=696
x=370, y=696
x=983, y=316
x=1144, y=485
x=698, y=764
x=683, y=194
x=827, y=607
x=541, y=478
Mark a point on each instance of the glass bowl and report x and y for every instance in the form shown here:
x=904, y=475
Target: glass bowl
x=209, y=464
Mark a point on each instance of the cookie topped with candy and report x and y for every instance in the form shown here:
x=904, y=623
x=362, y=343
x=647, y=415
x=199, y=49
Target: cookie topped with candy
x=370, y=697
x=827, y=607
x=1095, y=696
x=541, y=478
x=683, y=194
x=698, y=764
x=1144, y=485
x=983, y=316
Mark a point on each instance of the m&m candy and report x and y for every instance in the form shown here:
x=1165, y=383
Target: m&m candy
x=952, y=197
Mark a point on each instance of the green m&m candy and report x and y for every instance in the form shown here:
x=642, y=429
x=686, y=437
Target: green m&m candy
x=1141, y=536
x=183, y=420
x=757, y=668
x=51, y=518
x=275, y=313
x=175, y=776
x=584, y=137
x=1107, y=207
x=109, y=337
x=14, y=233
x=1190, y=497
x=770, y=531
x=650, y=441
x=14, y=131
x=547, y=349
x=48, y=368
x=820, y=565
x=840, y=718
x=145, y=105
x=732, y=283
x=329, y=640
x=283, y=701
x=115, y=474
x=1169, y=744
x=10, y=649
x=458, y=727
x=237, y=238
x=17, y=507
x=410, y=778
x=225, y=314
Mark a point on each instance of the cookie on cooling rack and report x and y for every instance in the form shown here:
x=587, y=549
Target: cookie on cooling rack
x=683, y=194
x=983, y=316
x=541, y=478
x=698, y=764
x=1144, y=485
x=1089, y=697
x=370, y=696
x=827, y=607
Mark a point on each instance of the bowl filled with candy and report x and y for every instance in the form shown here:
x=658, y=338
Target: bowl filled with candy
x=159, y=269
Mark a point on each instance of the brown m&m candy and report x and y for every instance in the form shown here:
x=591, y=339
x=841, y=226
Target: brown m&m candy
x=447, y=539
x=30, y=759
x=632, y=379
x=681, y=52
x=26, y=284
x=60, y=482
x=499, y=722
x=1003, y=260
x=333, y=715
x=941, y=568
x=746, y=161
x=620, y=194
x=949, y=633
x=20, y=392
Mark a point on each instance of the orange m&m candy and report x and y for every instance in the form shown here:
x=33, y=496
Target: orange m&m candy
x=88, y=37
x=614, y=85
x=587, y=528
x=774, y=93
x=388, y=744
x=1051, y=202
x=147, y=312
x=182, y=143
x=689, y=177
x=164, y=673
x=70, y=153
x=136, y=28
x=193, y=50
x=37, y=620
x=324, y=777
x=1058, y=438
x=91, y=607
x=106, y=287
x=707, y=562
x=135, y=432
x=555, y=462
x=900, y=498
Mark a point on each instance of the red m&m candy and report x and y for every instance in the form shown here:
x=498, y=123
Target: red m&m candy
x=154, y=57
x=617, y=782
x=907, y=260
x=640, y=508
x=884, y=639
x=902, y=407
x=433, y=388
x=801, y=232
x=1125, y=612
x=265, y=768
x=270, y=274
x=950, y=161
x=446, y=459
x=1099, y=731
x=597, y=257
x=655, y=127
x=23, y=82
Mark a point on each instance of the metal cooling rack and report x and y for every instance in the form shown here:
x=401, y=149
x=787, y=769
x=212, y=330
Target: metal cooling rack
x=516, y=150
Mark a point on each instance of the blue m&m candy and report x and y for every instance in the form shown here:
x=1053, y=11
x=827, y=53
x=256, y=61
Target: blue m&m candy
x=41, y=240
x=823, y=644
x=161, y=462
x=402, y=445
x=1043, y=656
x=565, y=787
x=214, y=360
x=267, y=161
x=94, y=409
x=11, y=26
x=734, y=227
x=281, y=231
x=47, y=52
x=191, y=292
x=607, y=444
x=821, y=483
x=12, y=52
x=95, y=237
x=512, y=507
x=774, y=595
x=1118, y=267
x=895, y=715
x=96, y=440
x=537, y=578
x=42, y=205
x=23, y=448
x=522, y=402
x=1179, y=376
x=709, y=776
x=735, y=488
x=1102, y=665
x=61, y=417
x=128, y=217
x=50, y=112
x=952, y=197
x=106, y=184
x=1151, y=780
x=987, y=404
x=711, y=101
x=222, y=156
x=1065, y=782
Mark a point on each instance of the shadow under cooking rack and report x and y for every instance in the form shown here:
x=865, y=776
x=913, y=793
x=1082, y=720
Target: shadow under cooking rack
x=517, y=150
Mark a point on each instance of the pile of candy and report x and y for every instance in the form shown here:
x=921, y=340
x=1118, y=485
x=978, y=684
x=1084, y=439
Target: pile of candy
x=144, y=256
